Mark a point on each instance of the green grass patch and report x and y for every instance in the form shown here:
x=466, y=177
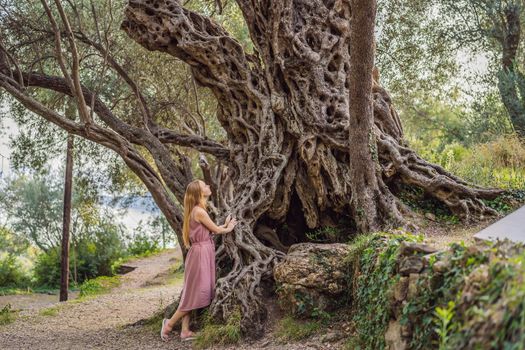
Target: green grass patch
x=125, y=259
x=31, y=290
x=14, y=291
x=293, y=329
x=99, y=285
x=214, y=334
x=176, y=274
x=7, y=315
x=50, y=311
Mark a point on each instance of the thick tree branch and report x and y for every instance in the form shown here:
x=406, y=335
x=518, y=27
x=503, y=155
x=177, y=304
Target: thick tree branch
x=199, y=143
x=133, y=134
x=216, y=59
x=195, y=39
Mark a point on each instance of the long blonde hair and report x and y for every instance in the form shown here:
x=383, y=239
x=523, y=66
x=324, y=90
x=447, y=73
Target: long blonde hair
x=192, y=198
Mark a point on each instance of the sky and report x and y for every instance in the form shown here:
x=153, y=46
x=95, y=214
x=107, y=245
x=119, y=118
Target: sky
x=8, y=128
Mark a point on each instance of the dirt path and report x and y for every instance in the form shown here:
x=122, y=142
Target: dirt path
x=101, y=322
x=104, y=321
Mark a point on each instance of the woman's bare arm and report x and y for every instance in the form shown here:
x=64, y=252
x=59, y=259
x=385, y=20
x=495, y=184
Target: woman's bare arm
x=202, y=216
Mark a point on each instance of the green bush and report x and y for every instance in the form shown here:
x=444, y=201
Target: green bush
x=98, y=253
x=142, y=244
x=99, y=285
x=13, y=251
x=94, y=256
x=47, y=268
x=12, y=273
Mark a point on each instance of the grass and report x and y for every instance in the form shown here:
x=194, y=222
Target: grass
x=98, y=285
x=15, y=291
x=154, y=323
x=50, y=311
x=30, y=290
x=214, y=334
x=351, y=343
x=290, y=328
x=128, y=258
x=176, y=274
x=7, y=315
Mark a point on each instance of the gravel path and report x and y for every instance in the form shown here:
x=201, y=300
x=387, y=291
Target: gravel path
x=101, y=322
x=105, y=321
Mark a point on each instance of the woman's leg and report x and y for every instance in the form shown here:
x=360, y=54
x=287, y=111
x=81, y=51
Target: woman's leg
x=174, y=319
x=185, y=329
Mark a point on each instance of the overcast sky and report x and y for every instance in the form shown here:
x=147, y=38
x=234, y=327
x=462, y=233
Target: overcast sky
x=7, y=128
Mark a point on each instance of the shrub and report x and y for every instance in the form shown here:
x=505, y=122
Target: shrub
x=12, y=273
x=94, y=255
x=7, y=315
x=99, y=285
x=47, y=268
x=143, y=245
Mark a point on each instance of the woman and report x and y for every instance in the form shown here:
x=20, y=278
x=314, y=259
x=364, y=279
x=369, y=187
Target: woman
x=199, y=268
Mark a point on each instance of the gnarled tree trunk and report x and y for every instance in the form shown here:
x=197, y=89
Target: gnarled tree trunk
x=286, y=110
x=306, y=146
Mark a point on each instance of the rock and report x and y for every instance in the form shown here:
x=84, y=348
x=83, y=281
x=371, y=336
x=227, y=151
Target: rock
x=408, y=248
x=412, y=285
x=400, y=289
x=474, y=250
x=312, y=275
x=331, y=337
x=480, y=274
x=411, y=264
x=441, y=266
x=393, y=338
x=265, y=344
x=430, y=216
x=474, y=283
x=406, y=332
x=497, y=317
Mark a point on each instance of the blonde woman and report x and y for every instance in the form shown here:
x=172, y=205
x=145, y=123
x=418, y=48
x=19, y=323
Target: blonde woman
x=199, y=268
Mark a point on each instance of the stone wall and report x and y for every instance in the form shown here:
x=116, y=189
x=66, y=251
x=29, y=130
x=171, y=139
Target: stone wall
x=404, y=294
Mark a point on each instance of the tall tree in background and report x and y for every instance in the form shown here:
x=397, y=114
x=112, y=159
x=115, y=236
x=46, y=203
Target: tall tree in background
x=495, y=25
x=293, y=136
x=68, y=185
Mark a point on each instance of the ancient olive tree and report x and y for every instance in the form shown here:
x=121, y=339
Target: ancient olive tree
x=296, y=149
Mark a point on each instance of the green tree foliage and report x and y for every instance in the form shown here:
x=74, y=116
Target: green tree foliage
x=13, y=253
x=34, y=210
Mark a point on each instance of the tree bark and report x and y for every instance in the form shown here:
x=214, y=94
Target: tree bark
x=68, y=184
x=295, y=135
x=508, y=32
x=373, y=206
x=299, y=152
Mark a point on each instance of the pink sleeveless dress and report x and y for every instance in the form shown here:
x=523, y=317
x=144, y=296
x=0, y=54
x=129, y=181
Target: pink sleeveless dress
x=199, y=269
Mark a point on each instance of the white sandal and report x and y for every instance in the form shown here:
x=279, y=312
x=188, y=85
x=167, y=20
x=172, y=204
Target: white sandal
x=189, y=337
x=162, y=336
